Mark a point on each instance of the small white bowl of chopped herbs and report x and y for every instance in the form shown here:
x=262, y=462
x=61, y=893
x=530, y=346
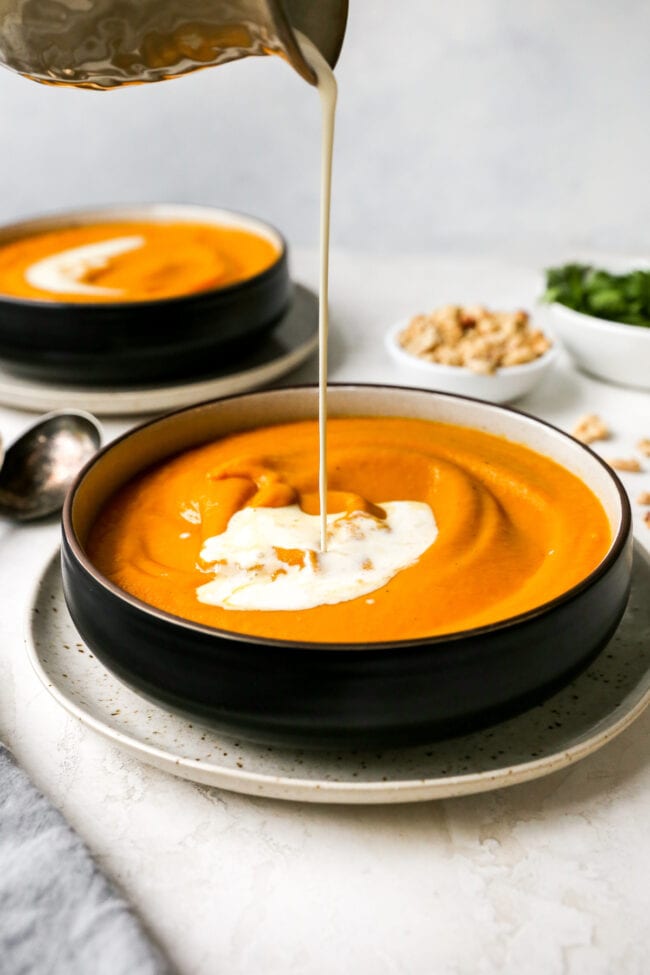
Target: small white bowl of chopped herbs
x=602, y=317
x=472, y=351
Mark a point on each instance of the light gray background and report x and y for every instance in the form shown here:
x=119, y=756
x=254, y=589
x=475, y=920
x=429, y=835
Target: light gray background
x=479, y=125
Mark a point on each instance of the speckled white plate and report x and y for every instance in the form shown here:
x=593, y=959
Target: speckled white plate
x=581, y=718
x=292, y=341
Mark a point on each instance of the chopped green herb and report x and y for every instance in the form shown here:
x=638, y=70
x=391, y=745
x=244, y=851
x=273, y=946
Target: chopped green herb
x=617, y=297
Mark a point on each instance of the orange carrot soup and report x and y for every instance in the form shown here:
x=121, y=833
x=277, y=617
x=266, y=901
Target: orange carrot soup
x=131, y=261
x=432, y=528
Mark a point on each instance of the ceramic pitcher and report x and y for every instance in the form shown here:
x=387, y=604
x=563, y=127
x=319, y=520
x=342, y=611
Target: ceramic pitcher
x=106, y=43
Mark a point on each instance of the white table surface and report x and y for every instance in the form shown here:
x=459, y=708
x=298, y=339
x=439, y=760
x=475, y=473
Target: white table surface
x=549, y=877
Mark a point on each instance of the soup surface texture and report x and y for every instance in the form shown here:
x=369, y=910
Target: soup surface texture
x=131, y=261
x=502, y=529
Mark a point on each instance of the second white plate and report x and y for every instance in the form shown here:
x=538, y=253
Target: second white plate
x=292, y=341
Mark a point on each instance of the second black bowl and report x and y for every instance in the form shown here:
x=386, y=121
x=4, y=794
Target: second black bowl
x=139, y=342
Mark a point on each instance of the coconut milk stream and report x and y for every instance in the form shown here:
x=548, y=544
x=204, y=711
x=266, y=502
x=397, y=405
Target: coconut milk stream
x=327, y=91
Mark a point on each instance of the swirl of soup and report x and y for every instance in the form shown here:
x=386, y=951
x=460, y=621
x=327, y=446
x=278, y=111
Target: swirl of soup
x=131, y=261
x=434, y=528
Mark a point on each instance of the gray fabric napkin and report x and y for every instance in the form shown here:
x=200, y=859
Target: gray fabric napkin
x=58, y=913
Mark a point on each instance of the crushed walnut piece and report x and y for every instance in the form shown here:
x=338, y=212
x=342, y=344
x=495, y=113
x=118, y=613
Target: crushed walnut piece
x=643, y=446
x=474, y=337
x=643, y=498
x=629, y=464
x=646, y=518
x=590, y=428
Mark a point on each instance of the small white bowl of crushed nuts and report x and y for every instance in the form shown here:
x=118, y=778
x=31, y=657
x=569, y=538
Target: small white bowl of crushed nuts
x=472, y=351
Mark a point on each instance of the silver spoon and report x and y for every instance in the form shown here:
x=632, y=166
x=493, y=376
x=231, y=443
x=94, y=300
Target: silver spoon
x=41, y=465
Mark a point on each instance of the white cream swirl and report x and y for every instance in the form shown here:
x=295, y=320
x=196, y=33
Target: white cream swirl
x=269, y=558
x=62, y=273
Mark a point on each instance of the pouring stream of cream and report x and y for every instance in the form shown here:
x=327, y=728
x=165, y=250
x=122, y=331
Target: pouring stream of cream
x=328, y=91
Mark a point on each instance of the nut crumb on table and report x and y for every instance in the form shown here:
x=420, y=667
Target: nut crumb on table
x=643, y=446
x=629, y=464
x=590, y=428
x=473, y=337
x=646, y=518
x=643, y=498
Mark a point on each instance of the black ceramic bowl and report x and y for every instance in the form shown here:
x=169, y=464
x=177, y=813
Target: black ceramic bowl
x=136, y=342
x=337, y=694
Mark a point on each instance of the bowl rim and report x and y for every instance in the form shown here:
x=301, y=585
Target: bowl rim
x=539, y=363
x=102, y=214
x=252, y=641
x=584, y=318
